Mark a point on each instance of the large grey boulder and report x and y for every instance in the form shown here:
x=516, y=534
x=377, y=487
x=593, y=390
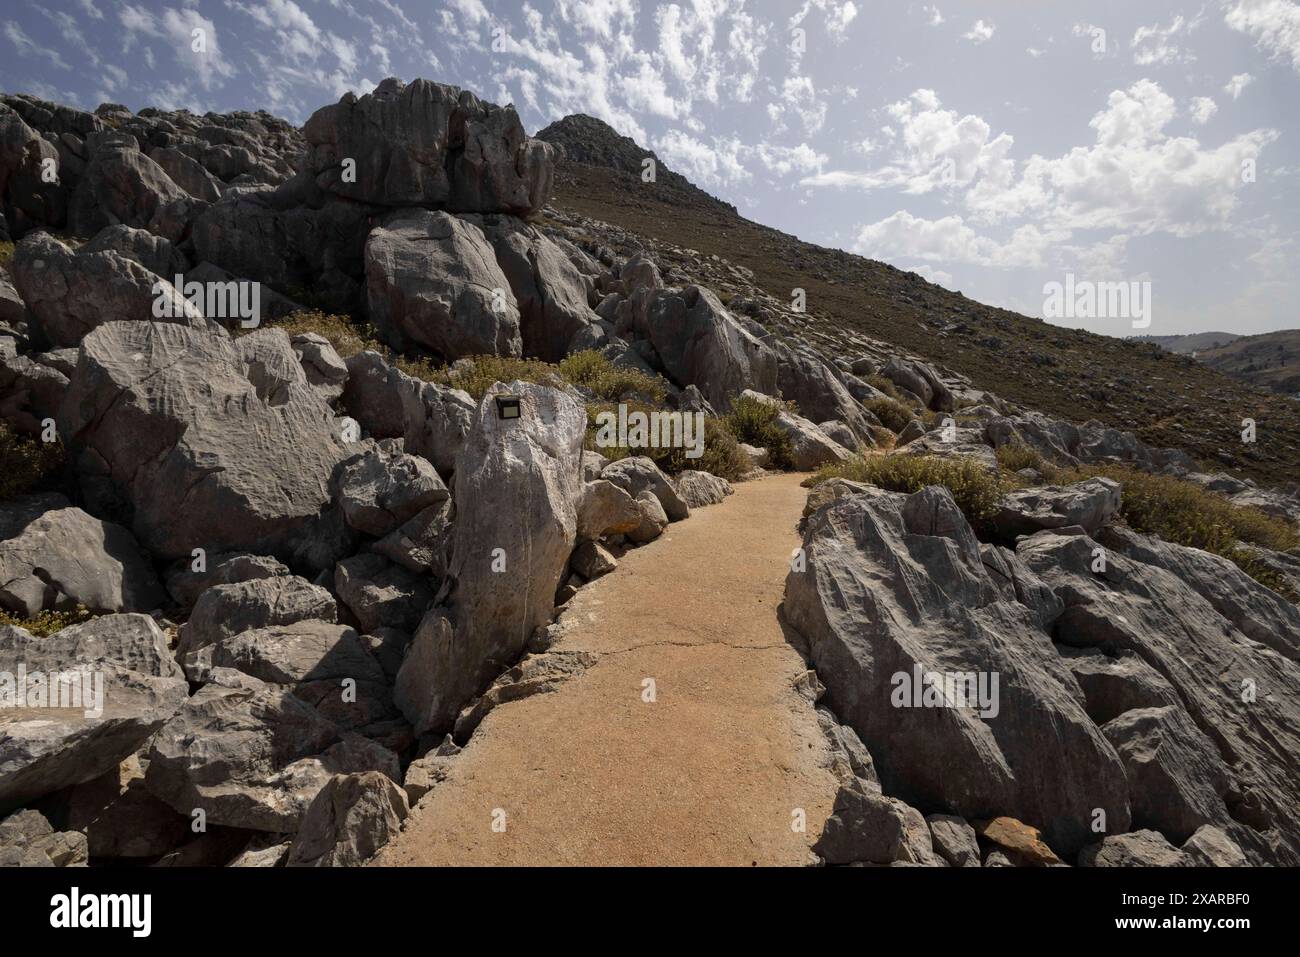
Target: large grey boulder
x=921, y=380
x=810, y=447
x=28, y=199
x=330, y=666
x=352, y=817
x=806, y=379
x=1176, y=777
x=185, y=581
x=1253, y=609
x=1241, y=694
x=381, y=594
x=954, y=840
x=253, y=755
x=1114, y=685
x=225, y=610
x=125, y=659
x=636, y=474
x=698, y=489
x=120, y=185
x=866, y=827
x=28, y=840
x=1144, y=848
x=204, y=441
x=154, y=253
x=1089, y=504
x=506, y=562
x=423, y=543
x=54, y=557
x=606, y=509
x=69, y=294
x=698, y=342
x=187, y=173
x=432, y=280
x=892, y=589
x=431, y=419
x=550, y=292
x=383, y=487
x=426, y=144
x=1211, y=847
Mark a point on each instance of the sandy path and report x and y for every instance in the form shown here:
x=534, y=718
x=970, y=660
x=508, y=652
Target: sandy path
x=709, y=773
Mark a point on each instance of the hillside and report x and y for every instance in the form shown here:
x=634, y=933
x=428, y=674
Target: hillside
x=1193, y=342
x=1269, y=361
x=1166, y=399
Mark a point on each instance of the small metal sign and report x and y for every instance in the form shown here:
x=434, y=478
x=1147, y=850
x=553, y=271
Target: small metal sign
x=507, y=406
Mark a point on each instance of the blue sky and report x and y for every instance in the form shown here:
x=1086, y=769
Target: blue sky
x=991, y=146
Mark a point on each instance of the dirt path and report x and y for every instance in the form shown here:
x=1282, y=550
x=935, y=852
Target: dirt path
x=711, y=772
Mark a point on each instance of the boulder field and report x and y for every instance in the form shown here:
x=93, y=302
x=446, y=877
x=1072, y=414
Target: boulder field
x=287, y=591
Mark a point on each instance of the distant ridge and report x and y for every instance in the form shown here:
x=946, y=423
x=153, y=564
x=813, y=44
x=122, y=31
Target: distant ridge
x=1194, y=342
x=594, y=142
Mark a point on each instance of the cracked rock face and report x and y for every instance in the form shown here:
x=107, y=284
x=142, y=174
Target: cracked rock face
x=911, y=566
x=534, y=460
x=1236, y=710
x=201, y=441
x=432, y=280
x=56, y=557
x=45, y=749
x=69, y=294
x=424, y=143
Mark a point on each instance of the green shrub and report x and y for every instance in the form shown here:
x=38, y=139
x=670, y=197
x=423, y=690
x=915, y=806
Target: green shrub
x=592, y=370
x=721, y=453
x=1186, y=513
x=25, y=463
x=345, y=334
x=478, y=375
x=45, y=623
x=753, y=422
x=6, y=255
x=881, y=384
x=892, y=414
x=1015, y=456
x=974, y=488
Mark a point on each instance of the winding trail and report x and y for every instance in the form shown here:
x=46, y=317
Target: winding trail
x=711, y=772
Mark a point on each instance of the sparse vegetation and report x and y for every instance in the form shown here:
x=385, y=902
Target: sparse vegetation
x=6, y=256
x=754, y=423
x=881, y=384
x=1015, y=456
x=45, y=623
x=25, y=463
x=974, y=488
x=345, y=334
x=721, y=455
x=893, y=415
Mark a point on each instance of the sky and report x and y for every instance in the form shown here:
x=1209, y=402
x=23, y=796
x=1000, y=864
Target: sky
x=994, y=147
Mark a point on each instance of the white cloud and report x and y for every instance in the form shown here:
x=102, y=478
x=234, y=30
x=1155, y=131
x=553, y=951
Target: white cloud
x=1157, y=45
x=1235, y=86
x=980, y=32
x=936, y=18
x=1203, y=108
x=705, y=164
x=88, y=7
x=28, y=47
x=790, y=159
x=1274, y=25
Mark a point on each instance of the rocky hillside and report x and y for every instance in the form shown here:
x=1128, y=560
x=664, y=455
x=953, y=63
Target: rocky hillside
x=1269, y=361
x=1188, y=344
x=300, y=464
x=1162, y=398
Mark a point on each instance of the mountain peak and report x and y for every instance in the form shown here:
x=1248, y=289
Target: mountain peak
x=593, y=142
